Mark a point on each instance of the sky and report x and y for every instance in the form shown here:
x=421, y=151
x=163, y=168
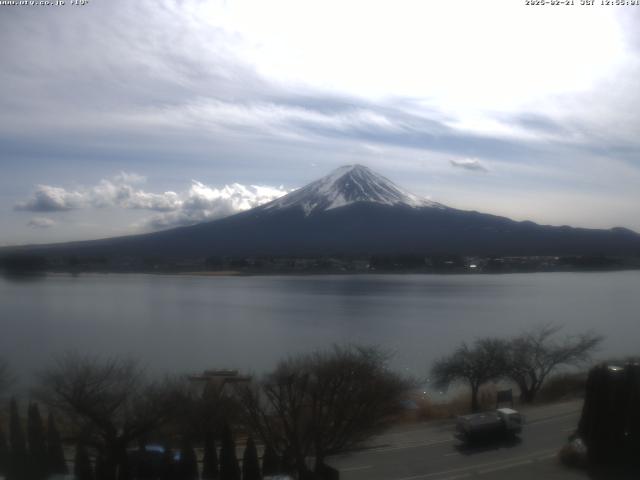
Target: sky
x=122, y=116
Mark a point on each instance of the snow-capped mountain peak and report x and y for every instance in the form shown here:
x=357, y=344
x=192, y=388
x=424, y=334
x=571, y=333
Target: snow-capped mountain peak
x=347, y=185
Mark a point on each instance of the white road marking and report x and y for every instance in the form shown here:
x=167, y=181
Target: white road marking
x=438, y=442
x=504, y=467
x=404, y=447
x=464, y=472
x=547, y=457
x=353, y=469
x=512, y=462
x=552, y=419
x=457, y=477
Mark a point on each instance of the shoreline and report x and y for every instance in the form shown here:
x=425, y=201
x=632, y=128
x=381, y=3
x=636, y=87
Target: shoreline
x=301, y=273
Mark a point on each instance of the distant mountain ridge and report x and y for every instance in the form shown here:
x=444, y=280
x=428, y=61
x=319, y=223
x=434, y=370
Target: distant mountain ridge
x=354, y=211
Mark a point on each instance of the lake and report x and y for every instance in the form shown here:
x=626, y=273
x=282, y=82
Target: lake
x=189, y=323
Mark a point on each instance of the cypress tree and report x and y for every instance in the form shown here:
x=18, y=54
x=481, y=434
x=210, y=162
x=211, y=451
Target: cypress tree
x=124, y=467
x=229, y=469
x=55, y=453
x=4, y=454
x=18, y=458
x=168, y=471
x=210, y=470
x=37, y=444
x=82, y=465
x=270, y=462
x=16, y=435
x=142, y=465
x=188, y=465
x=287, y=462
x=250, y=464
x=99, y=469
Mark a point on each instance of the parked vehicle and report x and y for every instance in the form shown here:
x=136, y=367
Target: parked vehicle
x=500, y=423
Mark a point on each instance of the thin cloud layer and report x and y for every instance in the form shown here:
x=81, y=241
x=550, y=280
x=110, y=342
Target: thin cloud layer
x=472, y=164
x=41, y=222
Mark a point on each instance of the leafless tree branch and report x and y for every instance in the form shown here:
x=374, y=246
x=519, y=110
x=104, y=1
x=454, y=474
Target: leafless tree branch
x=325, y=402
x=537, y=353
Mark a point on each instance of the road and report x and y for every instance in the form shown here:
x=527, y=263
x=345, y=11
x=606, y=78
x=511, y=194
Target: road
x=431, y=453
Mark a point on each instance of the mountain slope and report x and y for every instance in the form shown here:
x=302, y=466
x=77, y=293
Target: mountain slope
x=354, y=211
x=345, y=186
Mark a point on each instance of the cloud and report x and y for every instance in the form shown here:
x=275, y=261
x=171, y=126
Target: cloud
x=41, y=222
x=130, y=178
x=51, y=199
x=119, y=192
x=202, y=203
x=469, y=164
x=199, y=203
x=116, y=191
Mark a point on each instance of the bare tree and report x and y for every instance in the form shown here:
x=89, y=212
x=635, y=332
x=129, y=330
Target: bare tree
x=205, y=409
x=324, y=403
x=108, y=402
x=6, y=378
x=535, y=354
x=484, y=361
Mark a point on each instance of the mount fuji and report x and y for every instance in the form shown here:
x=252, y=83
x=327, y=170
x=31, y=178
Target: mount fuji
x=355, y=211
x=345, y=186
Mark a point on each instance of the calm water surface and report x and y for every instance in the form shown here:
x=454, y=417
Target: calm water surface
x=187, y=323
